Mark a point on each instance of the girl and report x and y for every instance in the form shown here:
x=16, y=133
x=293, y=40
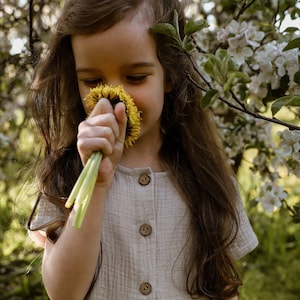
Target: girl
x=165, y=220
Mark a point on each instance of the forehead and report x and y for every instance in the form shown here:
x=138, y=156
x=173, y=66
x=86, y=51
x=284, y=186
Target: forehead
x=127, y=39
x=107, y=15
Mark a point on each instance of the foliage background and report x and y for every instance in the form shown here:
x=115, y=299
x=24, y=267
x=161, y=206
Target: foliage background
x=272, y=271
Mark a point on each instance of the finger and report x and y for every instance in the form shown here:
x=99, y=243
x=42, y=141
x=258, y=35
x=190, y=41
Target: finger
x=103, y=106
x=103, y=115
x=100, y=125
x=121, y=117
x=95, y=144
x=88, y=137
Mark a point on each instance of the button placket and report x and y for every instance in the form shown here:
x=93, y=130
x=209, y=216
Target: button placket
x=145, y=221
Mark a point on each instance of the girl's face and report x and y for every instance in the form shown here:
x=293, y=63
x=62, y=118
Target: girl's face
x=124, y=54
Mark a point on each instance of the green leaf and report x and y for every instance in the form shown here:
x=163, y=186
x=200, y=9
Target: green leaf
x=188, y=45
x=284, y=101
x=242, y=91
x=193, y=26
x=221, y=54
x=209, y=98
x=235, y=77
x=297, y=77
x=292, y=44
x=296, y=213
x=227, y=64
x=166, y=29
x=176, y=24
x=209, y=67
x=213, y=65
x=291, y=29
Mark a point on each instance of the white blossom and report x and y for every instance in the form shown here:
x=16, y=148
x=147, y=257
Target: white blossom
x=272, y=63
x=238, y=49
x=266, y=63
x=253, y=36
x=257, y=86
x=271, y=196
x=242, y=38
x=4, y=140
x=289, y=150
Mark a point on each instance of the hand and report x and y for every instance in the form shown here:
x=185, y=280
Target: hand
x=104, y=131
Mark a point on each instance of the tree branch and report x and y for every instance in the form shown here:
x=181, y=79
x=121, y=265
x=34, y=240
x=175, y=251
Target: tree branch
x=240, y=105
x=31, y=39
x=244, y=8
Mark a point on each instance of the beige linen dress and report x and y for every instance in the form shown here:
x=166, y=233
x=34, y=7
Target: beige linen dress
x=145, y=229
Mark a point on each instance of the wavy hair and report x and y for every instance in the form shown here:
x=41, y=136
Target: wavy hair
x=191, y=148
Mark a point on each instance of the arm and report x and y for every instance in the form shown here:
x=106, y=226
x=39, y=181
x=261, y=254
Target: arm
x=69, y=264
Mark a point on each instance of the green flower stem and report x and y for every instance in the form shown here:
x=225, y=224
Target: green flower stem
x=87, y=188
x=78, y=185
x=82, y=191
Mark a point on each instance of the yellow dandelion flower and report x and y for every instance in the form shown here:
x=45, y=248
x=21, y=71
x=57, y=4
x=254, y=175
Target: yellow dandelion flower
x=82, y=191
x=115, y=95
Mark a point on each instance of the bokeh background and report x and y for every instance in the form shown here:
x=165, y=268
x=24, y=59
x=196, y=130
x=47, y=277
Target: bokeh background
x=270, y=272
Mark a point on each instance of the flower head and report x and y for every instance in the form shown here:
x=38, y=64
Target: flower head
x=272, y=196
x=115, y=95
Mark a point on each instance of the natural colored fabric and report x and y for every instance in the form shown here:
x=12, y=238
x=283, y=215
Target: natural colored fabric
x=130, y=258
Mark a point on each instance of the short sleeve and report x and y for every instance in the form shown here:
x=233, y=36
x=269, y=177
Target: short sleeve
x=246, y=240
x=46, y=215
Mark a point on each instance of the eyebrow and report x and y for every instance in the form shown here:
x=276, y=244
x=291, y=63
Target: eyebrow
x=132, y=66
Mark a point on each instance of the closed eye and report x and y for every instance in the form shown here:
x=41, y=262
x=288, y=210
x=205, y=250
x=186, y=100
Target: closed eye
x=136, y=78
x=91, y=83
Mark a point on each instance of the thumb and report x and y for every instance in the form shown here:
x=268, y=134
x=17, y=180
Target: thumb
x=103, y=106
x=121, y=117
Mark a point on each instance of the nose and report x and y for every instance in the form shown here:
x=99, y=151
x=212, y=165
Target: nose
x=113, y=81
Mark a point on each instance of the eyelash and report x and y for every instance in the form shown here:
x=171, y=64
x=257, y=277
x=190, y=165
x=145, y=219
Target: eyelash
x=133, y=79
x=92, y=82
x=138, y=78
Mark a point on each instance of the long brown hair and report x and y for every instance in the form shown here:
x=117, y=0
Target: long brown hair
x=191, y=148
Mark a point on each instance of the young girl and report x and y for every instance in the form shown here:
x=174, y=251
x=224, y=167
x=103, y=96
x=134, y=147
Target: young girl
x=165, y=220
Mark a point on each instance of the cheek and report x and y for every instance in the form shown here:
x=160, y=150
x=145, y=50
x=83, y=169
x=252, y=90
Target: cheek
x=83, y=93
x=150, y=104
x=86, y=109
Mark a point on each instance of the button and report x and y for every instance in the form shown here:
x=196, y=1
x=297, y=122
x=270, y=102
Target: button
x=145, y=288
x=145, y=229
x=144, y=179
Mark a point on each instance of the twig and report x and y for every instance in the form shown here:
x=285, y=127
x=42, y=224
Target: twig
x=31, y=39
x=240, y=105
x=244, y=8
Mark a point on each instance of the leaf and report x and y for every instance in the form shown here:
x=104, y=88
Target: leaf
x=296, y=213
x=292, y=44
x=176, y=24
x=291, y=29
x=235, y=77
x=221, y=54
x=209, y=67
x=193, y=26
x=297, y=77
x=284, y=101
x=242, y=91
x=213, y=65
x=166, y=29
x=188, y=44
x=209, y=98
x=227, y=63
